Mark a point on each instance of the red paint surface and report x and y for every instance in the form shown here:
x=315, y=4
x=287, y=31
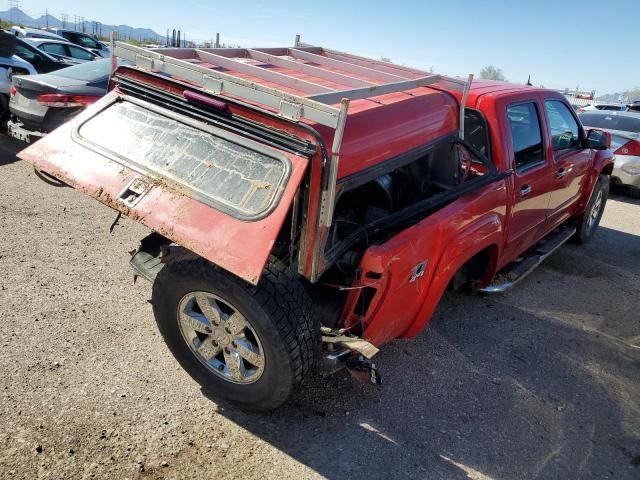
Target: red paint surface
x=238, y=246
x=493, y=219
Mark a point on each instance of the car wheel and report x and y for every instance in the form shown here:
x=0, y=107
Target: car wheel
x=251, y=345
x=590, y=219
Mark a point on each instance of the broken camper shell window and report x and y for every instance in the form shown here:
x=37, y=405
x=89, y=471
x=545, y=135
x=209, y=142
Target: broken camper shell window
x=229, y=173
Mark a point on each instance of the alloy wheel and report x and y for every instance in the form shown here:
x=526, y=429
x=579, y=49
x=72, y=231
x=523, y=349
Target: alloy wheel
x=221, y=337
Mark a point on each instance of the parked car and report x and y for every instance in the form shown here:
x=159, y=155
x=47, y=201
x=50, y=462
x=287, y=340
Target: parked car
x=634, y=107
x=41, y=61
x=84, y=40
x=27, y=32
x=624, y=128
x=41, y=103
x=619, y=107
x=10, y=66
x=300, y=226
x=63, y=50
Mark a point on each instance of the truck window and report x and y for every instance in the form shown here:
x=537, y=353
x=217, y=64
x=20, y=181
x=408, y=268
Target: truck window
x=564, y=128
x=526, y=136
x=476, y=132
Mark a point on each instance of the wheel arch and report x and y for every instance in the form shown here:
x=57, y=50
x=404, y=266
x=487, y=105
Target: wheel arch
x=486, y=237
x=602, y=165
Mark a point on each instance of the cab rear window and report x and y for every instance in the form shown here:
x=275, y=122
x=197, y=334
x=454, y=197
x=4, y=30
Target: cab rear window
x=226, y=172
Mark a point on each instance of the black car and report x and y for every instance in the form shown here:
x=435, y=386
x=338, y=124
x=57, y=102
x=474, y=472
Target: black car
x=41, y=103
x=41, y=61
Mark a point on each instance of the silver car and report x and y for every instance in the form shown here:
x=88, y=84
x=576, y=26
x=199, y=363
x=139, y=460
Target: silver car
x=624, y=128
x=63, y=50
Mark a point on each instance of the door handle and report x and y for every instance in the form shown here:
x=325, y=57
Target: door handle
x=562, y=172
x=525, y=190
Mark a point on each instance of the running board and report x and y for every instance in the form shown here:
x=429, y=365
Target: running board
x=511, y=275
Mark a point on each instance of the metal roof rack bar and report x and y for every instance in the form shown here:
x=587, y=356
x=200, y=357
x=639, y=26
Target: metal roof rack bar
x=264, y=56
x=345, y=66
x=263, y=73
x=218, y=83
x=375, y=90
x=391, y=68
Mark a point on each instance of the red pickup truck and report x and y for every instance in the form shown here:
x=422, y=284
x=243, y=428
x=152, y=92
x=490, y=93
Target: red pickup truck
x=309, y=205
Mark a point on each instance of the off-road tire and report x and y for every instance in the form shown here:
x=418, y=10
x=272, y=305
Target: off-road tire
x=279, y=310
x=584, y=229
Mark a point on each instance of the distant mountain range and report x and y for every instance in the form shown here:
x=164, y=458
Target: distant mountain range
x=18, y=17
x=625, y=97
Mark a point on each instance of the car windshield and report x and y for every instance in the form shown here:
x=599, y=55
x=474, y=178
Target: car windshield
x=89, y=71
x=624, y=123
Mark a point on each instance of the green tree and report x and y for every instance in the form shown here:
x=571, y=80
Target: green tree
x=492, y=73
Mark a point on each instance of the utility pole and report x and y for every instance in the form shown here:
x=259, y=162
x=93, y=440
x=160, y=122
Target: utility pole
x=46, y=17
x=65, y=18
x=13, y=6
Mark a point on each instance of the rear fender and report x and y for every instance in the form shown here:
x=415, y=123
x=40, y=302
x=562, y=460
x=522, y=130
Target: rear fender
x=485, y=233
x=402, y=280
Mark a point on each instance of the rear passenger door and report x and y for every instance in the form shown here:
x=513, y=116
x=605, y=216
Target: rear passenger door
x=570, y=160
x=531, y=179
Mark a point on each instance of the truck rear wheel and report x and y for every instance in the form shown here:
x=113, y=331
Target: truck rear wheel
x=251, y=345
x=590, y=219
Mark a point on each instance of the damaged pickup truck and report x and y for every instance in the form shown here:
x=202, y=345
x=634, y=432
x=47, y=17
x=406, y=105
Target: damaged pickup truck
x=309, y=205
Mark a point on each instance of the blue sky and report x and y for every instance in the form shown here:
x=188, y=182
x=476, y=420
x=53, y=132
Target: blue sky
x=587, y=43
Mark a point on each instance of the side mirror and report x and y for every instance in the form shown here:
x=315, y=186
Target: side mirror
x=37, y=58
x=598, y=139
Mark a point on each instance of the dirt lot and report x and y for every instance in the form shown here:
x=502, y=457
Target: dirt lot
x=540, y=383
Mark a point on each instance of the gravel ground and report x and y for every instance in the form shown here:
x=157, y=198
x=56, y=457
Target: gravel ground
x=540, y=383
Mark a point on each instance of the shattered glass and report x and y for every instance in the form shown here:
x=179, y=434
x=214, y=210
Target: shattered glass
x=224, y=174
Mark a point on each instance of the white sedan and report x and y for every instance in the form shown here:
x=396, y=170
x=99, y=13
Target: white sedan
x=624, y=128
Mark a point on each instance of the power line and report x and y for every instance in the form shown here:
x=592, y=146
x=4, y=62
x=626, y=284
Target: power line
x=13, y=6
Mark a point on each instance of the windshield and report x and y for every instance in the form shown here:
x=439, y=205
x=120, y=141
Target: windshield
x=90, y=71
x=624, y=123
x=230, y=174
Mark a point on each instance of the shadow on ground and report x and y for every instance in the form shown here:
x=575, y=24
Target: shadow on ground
x=492, y=389
x=621, y=194
x=505, y=394
x=9, y=147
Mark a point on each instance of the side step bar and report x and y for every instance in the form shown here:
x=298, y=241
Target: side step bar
x=511, y=275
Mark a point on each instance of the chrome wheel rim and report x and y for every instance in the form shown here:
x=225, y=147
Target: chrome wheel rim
x=595, y=209
x=220, y=337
